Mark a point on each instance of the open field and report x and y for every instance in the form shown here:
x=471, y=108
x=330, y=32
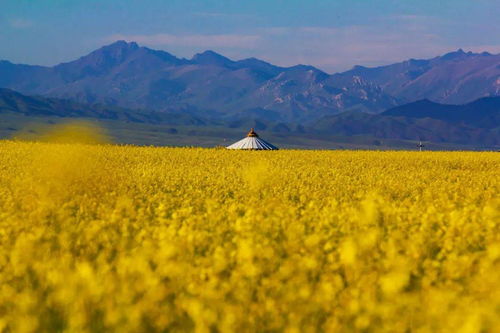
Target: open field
x=13, y=125
x=104, y=238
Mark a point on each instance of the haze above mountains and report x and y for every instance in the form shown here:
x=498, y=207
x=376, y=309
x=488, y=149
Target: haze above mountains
x=140, y=84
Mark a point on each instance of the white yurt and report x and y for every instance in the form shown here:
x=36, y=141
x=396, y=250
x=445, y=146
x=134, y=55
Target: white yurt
x=252, y=142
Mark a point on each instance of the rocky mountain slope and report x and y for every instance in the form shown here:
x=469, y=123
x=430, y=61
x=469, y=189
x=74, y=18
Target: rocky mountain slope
x=209, y=84
x=476, y=123
x=36, y=106
x=454, y=78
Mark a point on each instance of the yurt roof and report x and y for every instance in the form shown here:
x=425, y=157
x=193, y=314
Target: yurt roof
x=252, y=142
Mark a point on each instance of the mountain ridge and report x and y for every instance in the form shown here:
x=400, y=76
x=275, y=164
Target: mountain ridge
x=211, y=85
x=475, y=123
x=128, y=75
x=455, y=78
x=36, y=106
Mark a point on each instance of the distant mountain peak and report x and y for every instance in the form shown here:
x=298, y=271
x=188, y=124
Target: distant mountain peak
x=358, y=67
x=116, y=51
x=461, y=53
x=210, y=53
x=457, y=55
x=103, y=60
x=305, y=68
x=123, y=44
x=422, y=102
x=130, y=75
x=99, y=61
x=210, y=57
x=255, y=61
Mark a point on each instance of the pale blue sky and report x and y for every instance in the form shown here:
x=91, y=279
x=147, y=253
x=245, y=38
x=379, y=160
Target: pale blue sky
x=333, y=35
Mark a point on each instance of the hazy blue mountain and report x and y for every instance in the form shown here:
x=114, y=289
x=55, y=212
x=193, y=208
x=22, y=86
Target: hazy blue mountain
x=211, y=85
x=212, y=58
x=131, y=76
x=484, y=112
x=455, y=78
x=14, y=102
x=476, y=123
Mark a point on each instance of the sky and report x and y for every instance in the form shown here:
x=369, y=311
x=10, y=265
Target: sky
x=333, y=35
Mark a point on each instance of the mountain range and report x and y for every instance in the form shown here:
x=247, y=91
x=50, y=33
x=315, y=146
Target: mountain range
x=128, y=82
x=127, y=75
x=37, y=106
x=476, y=123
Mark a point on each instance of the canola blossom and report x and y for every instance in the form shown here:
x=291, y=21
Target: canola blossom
x=103, y=238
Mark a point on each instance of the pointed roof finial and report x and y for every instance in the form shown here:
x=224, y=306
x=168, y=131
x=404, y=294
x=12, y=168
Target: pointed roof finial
x=252, y=133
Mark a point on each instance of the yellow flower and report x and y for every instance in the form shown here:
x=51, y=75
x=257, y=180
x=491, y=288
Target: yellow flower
x=98, y=238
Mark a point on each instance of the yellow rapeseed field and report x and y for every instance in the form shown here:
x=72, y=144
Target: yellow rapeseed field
x=103, y=238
